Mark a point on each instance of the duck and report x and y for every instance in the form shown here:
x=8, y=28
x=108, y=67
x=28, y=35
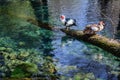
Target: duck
x=94, y=28
x=67, y=22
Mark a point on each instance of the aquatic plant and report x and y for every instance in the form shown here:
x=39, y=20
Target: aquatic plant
x=24, y=70
x=23, y=44
x=80, y=76
x=7, y=42
x=17, y=52
x=24, y=63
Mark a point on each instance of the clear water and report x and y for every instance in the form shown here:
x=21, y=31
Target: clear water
x=72, y=56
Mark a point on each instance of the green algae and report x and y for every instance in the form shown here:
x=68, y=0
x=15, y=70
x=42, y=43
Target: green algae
x=23, y=63
x=24, y=70
x=80, y=76
x=24, y=46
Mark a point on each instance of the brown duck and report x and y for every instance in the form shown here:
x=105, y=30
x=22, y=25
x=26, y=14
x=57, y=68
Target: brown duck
x=93, y=28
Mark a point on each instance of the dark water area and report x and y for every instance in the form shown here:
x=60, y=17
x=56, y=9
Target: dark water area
x=27, y=50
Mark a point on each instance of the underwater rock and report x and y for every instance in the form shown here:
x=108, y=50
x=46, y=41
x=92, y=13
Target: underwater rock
x=99, y=70
x=13, y=56
x=21, y=43
x=24, y=54
x=9, y=49
x=2, y=48
x=28, y=67
x=24, y=69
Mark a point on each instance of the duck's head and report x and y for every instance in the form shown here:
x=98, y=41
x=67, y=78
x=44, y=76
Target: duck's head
x=101, y=23
x=62, y=17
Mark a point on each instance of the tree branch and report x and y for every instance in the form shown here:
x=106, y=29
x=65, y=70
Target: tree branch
x=107, y=44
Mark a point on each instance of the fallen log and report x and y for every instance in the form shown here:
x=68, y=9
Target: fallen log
x=40, y=24
x=103, y=42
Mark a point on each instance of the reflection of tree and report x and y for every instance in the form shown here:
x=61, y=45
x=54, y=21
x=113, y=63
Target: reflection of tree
x=13, y=13
x=110, y=10
x=40, y=9
x=41, y=12
x=66, y=40
x=20, y=36
x=118, y=28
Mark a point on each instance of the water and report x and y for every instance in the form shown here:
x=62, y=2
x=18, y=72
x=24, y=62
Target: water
x=72, y=56
x=23, y=42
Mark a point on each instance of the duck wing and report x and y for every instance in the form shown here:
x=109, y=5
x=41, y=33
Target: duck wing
x=95, y=29
x=70, y=22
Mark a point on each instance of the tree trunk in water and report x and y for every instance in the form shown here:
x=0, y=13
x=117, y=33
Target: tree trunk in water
x=41, y=11
x=110, y=11
x=118, y=28
x=107, y=44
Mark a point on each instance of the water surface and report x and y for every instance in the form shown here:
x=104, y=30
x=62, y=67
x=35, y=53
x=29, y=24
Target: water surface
x=74, y=56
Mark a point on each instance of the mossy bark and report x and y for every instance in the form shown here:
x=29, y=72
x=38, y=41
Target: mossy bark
x=41, y=24
x=105, y=43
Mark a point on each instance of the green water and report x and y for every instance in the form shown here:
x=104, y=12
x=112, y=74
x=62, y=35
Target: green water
x=24, y=47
